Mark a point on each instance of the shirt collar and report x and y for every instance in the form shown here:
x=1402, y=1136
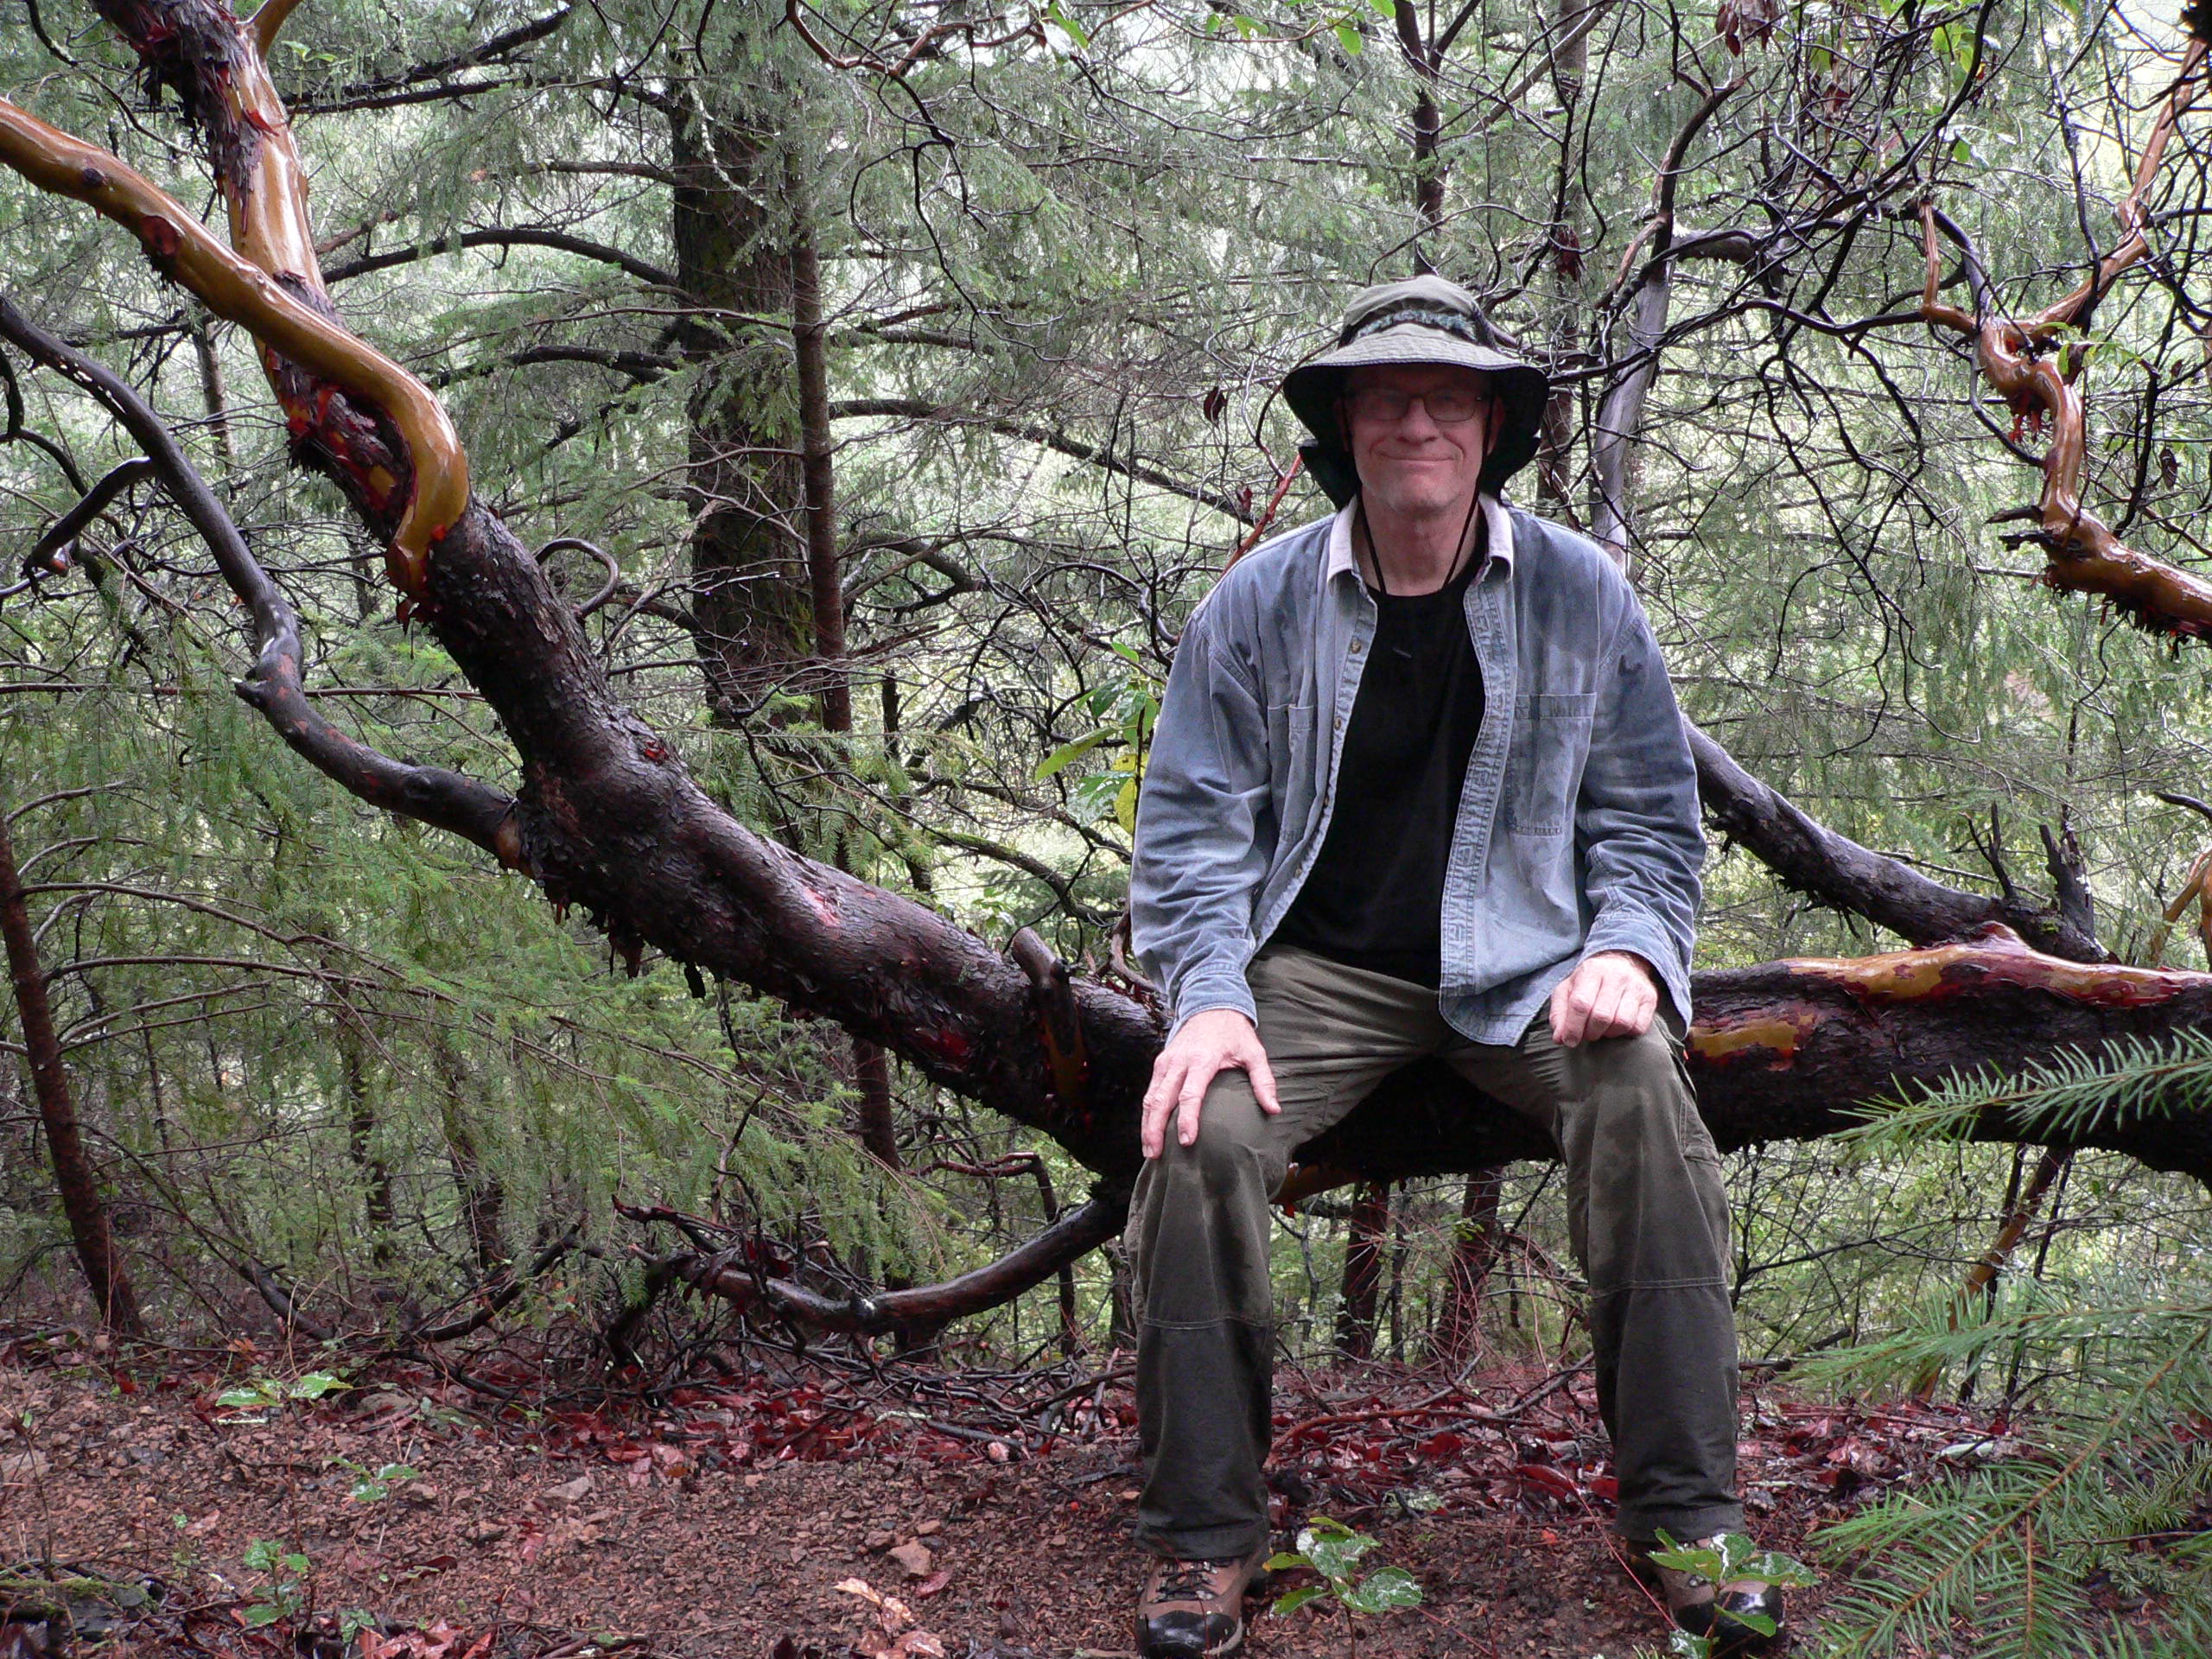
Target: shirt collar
x=1495, y=516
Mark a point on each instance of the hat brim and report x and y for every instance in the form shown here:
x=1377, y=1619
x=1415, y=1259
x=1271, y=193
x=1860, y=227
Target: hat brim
x=1311, y=391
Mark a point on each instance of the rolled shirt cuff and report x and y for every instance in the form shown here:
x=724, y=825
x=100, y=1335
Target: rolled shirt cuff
x=1214, y=990
x=1642, y=934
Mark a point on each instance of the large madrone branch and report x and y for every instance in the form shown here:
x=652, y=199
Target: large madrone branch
x=608, y=817
x=2034, y=364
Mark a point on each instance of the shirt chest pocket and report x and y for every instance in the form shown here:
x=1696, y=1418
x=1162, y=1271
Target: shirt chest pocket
x=1543, y=766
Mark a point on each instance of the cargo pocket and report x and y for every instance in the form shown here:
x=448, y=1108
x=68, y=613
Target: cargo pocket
x=1543, y=766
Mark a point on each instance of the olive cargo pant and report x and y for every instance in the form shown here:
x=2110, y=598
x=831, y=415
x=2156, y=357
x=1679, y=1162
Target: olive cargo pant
x=1649, y=1227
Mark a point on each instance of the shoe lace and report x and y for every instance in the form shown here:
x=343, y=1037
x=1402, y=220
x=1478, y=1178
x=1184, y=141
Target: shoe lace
x=1186, y=1580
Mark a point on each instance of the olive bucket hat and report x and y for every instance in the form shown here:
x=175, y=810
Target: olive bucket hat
x=1423, y=319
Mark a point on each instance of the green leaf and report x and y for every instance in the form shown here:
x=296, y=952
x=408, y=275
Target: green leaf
x=1334, y=1555
x=1348, y=37
x=1068, y=753
x=1248, y=27
x=1385, y=1590
x=1284, y=1561
x=315, y=1384
x=1291, y=1600
x=262, y=1613
x=261, y=1554
x=1057, y=13
x=1758, y=1622
x=239, y=1398
x=1125, y=807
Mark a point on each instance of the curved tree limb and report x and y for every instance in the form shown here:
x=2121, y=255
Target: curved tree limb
x=2031, y=367
x=181, y=249
x=275, y=685
x=1620, y=416
x=1050, y=437
x=505, y=236
x=1838, y=871
x=923, y=1309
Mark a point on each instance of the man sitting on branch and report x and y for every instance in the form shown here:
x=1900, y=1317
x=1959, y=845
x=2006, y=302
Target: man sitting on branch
x=1419, y=788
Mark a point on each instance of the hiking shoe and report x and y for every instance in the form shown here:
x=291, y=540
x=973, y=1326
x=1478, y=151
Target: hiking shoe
x=1715, y=1612
x=1195, y=1609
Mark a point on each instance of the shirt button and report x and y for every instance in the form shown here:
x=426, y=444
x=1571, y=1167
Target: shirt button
x=1354, y=647
x=1340, y=722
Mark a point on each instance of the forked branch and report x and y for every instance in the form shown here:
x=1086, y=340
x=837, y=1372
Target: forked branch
x=236, y=288
x=275, y=685
x=2031, y=365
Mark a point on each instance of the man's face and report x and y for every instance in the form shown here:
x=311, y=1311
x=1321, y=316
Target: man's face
x=1409, y=461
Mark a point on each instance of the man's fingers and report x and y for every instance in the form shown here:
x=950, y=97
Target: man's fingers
x=1158, y=1100
x=1570, y=1012
x=1606, y=1006
x=1195, y=1083
x=1638, y=1014
x=1263, y=1080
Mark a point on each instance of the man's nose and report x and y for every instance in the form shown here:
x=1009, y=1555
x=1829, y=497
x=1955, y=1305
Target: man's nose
x=1417, y=422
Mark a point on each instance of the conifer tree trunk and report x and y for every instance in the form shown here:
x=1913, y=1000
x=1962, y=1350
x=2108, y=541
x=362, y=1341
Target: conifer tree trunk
x=825, y=580
x=483, y=1200
x=748, y=562
x=1370, y=1222
x=361, y=1126
x=73, y=1171
x=1458, y=1341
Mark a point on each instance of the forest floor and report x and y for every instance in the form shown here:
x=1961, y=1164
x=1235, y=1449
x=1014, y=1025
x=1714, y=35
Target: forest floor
x=801, y=1508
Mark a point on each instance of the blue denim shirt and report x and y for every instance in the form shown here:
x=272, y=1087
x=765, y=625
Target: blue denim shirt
x=1577, y=826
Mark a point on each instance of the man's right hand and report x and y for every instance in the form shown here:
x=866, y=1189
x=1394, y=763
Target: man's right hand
x=1209, y=1042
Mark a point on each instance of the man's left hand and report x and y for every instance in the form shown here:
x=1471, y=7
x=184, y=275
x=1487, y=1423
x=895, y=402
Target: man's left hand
x=1613, y=994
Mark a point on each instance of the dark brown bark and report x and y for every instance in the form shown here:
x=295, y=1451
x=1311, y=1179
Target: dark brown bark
x=825, y=564
x=74, y=1180
x=1369, y=1224
x=925, y=1308
x=1838, y=871
x=734, y=263
x=483, y=1199
x=1458, y=1341
x=374, y=1174
x=879, y=1129
x=878, y=1123
x=1427, y=128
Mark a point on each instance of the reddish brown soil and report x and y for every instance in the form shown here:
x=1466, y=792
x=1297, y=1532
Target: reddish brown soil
x=724, y=1519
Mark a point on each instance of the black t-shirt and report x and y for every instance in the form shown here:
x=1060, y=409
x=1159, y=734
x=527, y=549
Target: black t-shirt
x=1375, y=896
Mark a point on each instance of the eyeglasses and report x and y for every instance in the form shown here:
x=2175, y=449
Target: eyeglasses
x=1446, y=405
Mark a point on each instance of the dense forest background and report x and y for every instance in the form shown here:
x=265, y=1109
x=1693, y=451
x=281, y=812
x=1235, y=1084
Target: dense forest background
x=882, y=385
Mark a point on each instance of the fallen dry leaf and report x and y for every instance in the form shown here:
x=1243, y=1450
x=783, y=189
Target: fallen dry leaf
x=891, y=1613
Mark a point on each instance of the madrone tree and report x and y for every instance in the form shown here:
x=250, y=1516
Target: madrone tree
x=1839, y=180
